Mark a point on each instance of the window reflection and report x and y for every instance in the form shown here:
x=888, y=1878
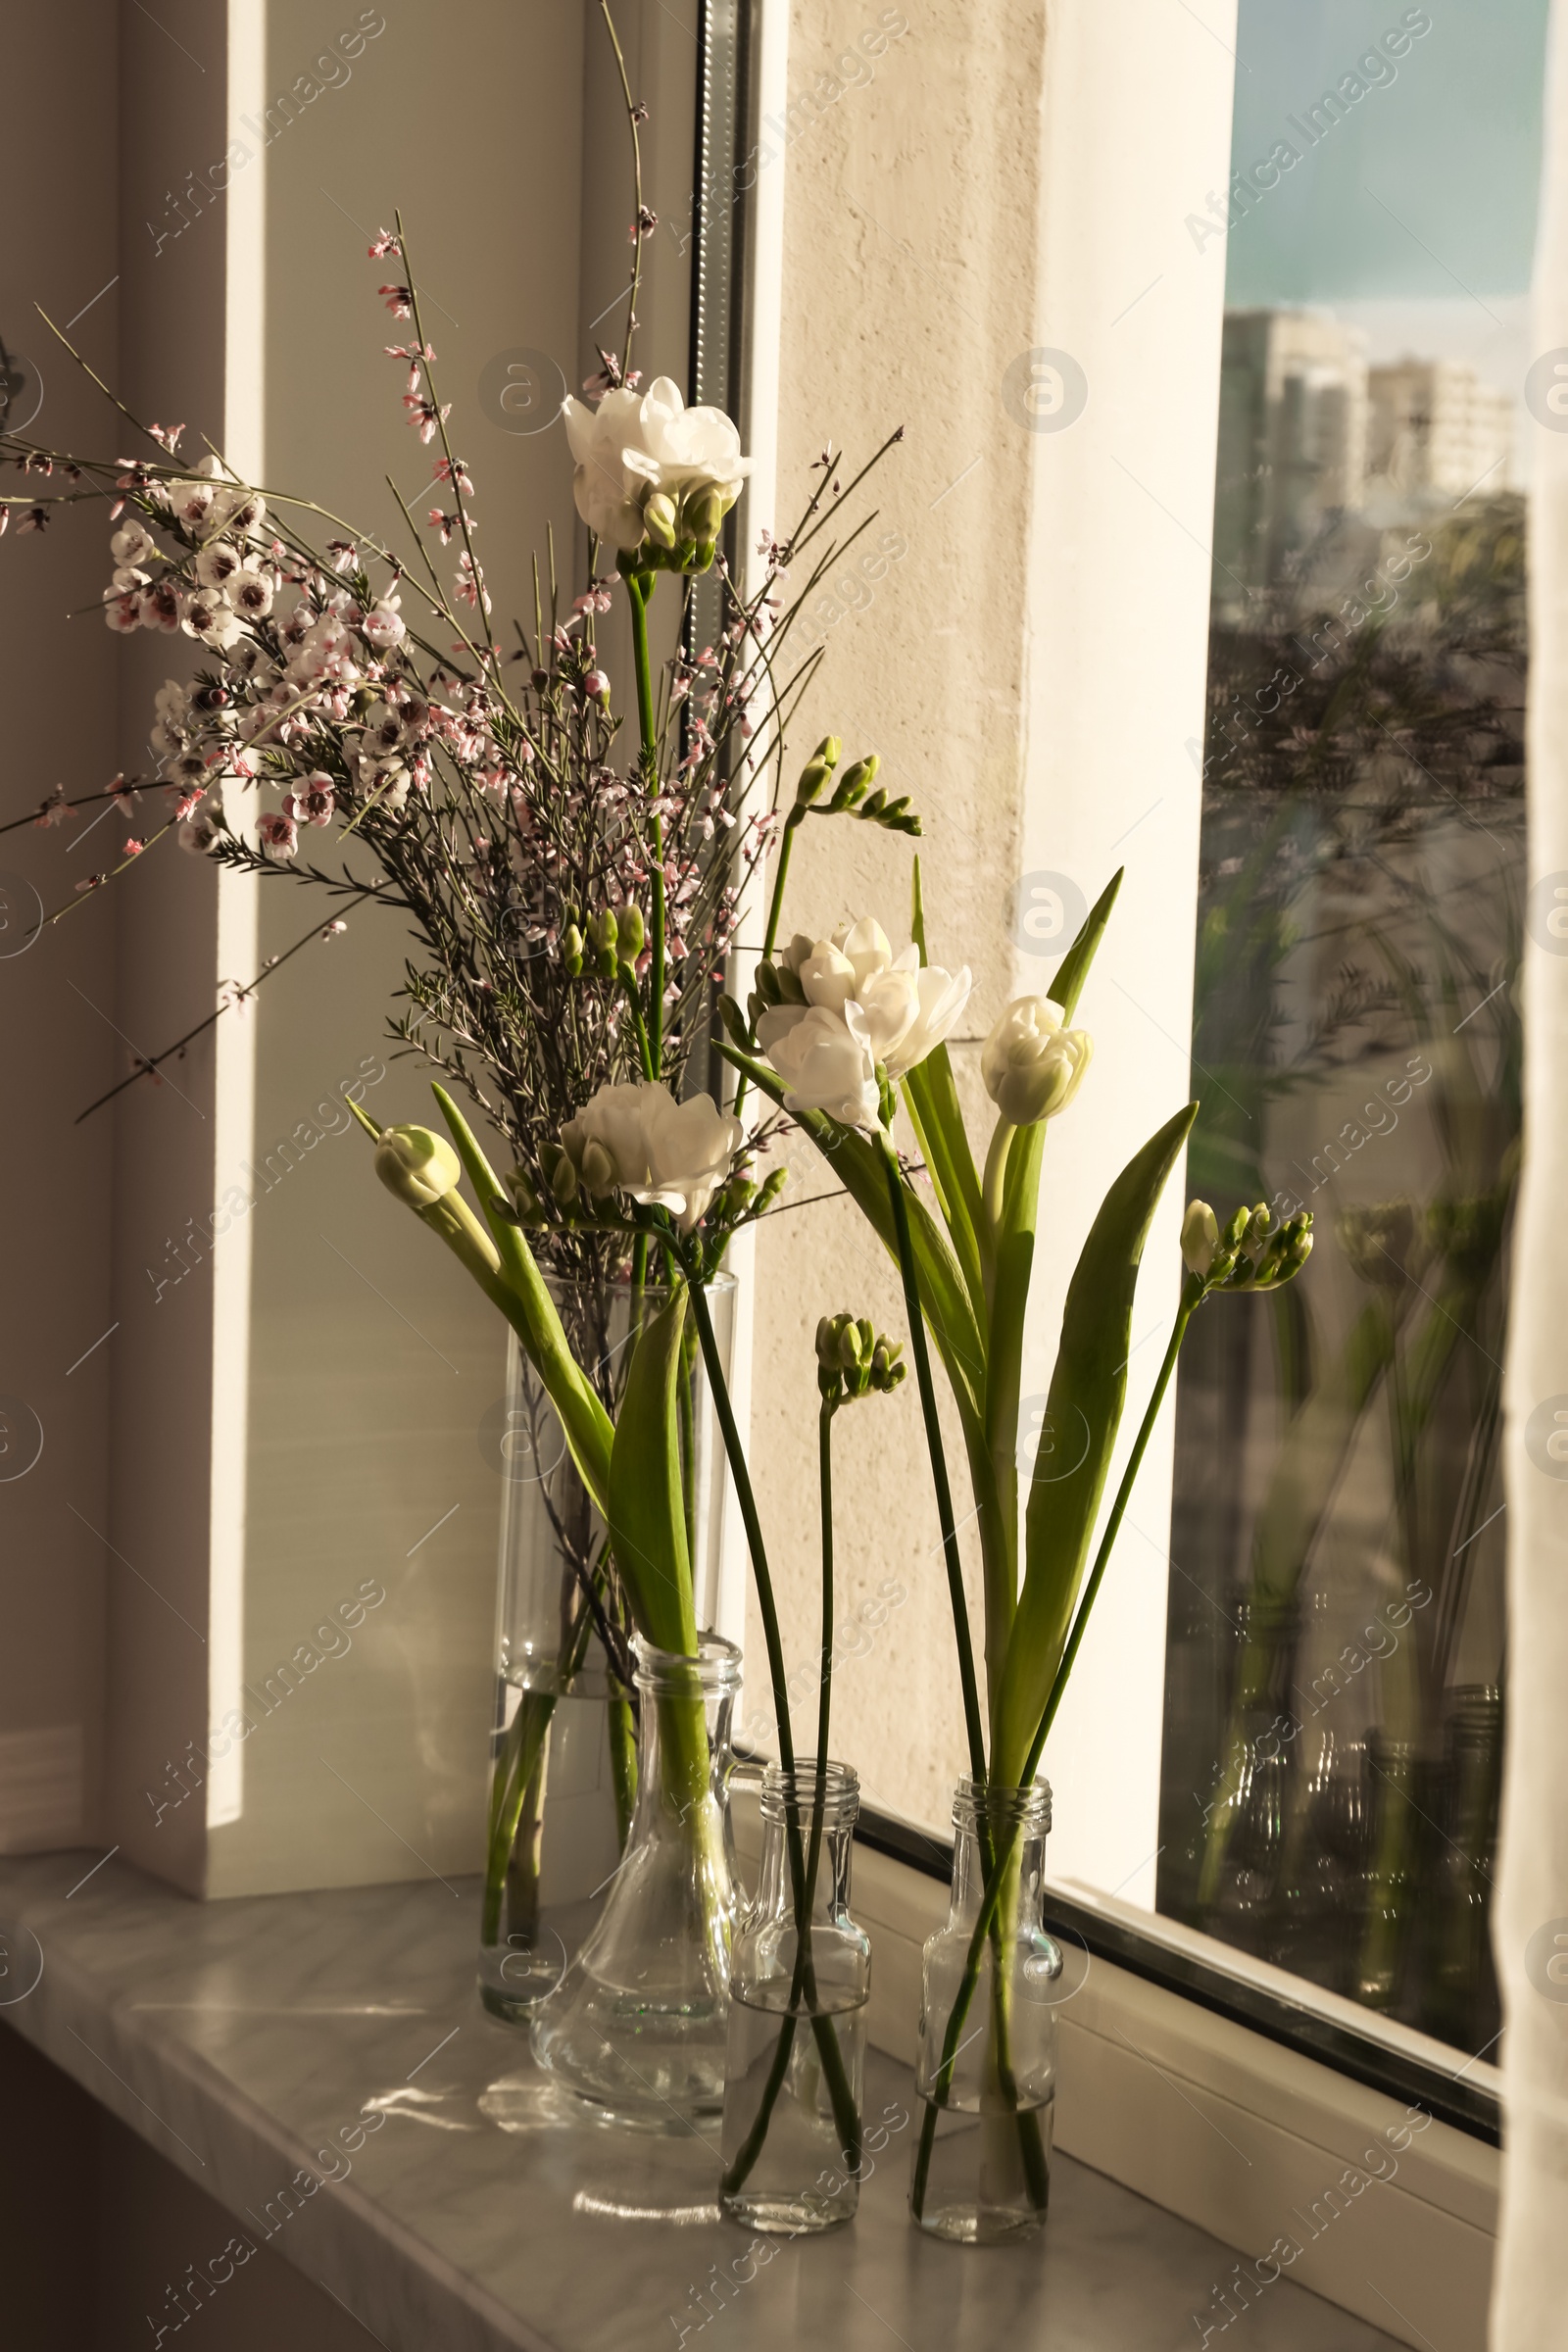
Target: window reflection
x=1337, y=1650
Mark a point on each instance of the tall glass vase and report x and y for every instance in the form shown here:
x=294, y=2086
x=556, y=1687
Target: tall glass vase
x=563, y=1750
x=986, y=2061
x=638, y=2024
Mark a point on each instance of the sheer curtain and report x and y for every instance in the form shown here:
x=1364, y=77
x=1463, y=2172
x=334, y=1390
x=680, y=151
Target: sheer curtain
x=1531, y=1912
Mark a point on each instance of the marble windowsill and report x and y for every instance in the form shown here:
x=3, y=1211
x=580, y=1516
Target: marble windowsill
x=240, y=2037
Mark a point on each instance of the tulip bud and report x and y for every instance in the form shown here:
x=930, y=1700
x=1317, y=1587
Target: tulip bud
x=630, y=934
x=658, y=518
x=1200, y=1237
x=816, y=772
x=419, y=1166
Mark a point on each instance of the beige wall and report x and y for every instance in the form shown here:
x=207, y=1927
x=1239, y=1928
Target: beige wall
x=993, y=183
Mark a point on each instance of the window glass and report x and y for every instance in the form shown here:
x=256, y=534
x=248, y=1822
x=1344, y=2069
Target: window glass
x=1335, y=1664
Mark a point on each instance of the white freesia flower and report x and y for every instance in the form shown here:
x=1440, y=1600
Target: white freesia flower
x=823, y=1064
x=940, y=998
x=667, y=1155
x=636, y=446
x=891, y=1009
x=1032, y=1066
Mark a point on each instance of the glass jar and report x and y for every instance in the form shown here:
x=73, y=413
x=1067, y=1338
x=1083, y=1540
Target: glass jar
x=564, y=1741
x=986, y=2063
x=792, y=2142
x=637, y=2026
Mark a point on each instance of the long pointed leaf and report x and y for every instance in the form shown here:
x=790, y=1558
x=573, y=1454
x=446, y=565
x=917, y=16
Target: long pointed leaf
x=1073, y=969
x=588, y=1427
x=647, y=1501
x=1087, y=1388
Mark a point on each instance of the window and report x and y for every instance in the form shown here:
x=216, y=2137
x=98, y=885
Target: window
x=1333, y=1690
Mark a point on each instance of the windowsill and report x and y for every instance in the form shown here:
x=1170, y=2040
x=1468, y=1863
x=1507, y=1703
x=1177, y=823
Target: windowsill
x=240, y=2037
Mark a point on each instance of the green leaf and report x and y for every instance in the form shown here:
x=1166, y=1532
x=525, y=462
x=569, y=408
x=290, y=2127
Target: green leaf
x=945, y=1294
x=1073, y=969
x=1084, y=1407
x=646, y=1511
x=932, y=1100
x=1015, y=1251
x=588, y=1427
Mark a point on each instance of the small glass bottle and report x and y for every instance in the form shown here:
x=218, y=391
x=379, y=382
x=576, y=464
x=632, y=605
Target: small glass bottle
x=986, y=2064
x=638, y=2024
x=792, y=2141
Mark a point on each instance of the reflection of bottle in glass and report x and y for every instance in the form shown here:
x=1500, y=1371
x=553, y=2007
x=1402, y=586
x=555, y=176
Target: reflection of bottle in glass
x=1402, y=1800
x=1319, y=1898
x=1246, y=1834
x=1461, y=2004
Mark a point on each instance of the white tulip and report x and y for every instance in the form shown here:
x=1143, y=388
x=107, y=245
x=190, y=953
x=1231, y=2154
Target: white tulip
x=1032, y=1066
x=420, y=1166
x=635, y=446
x=823, y=1064
x=667, y=1155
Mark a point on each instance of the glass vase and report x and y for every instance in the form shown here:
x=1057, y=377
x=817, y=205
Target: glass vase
x=792, y=2139
x=986, y=2063
x=637, y=2026
x=564, y=1744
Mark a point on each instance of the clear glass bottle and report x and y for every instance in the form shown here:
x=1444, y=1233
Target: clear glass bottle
x=792, y=2138
x=638, y=2023
x=564, y=1744
x=986, y=2064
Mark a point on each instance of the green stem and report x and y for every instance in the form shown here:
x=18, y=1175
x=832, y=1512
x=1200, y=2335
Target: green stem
x=833, y=2070
x=775, y=909
x=995, y=1876
x=939, y=1463
x=736, y=1454
x=639, y=588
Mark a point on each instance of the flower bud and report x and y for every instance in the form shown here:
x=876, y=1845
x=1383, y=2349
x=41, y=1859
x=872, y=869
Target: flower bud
x=828, y=1342
x=769, y=987
x=419, y=1166
x=595, y=685
x=564, y=1180
x=816, y=772
x=601, y=936
x=598, y=1168
x=658, y=518
x=524, y=1199
x=571, y=948
x=1200, y=1237
x=734, y=1020
x=701, y=515
x=1032, y=1066
x=856, y=782
x=629, y=934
